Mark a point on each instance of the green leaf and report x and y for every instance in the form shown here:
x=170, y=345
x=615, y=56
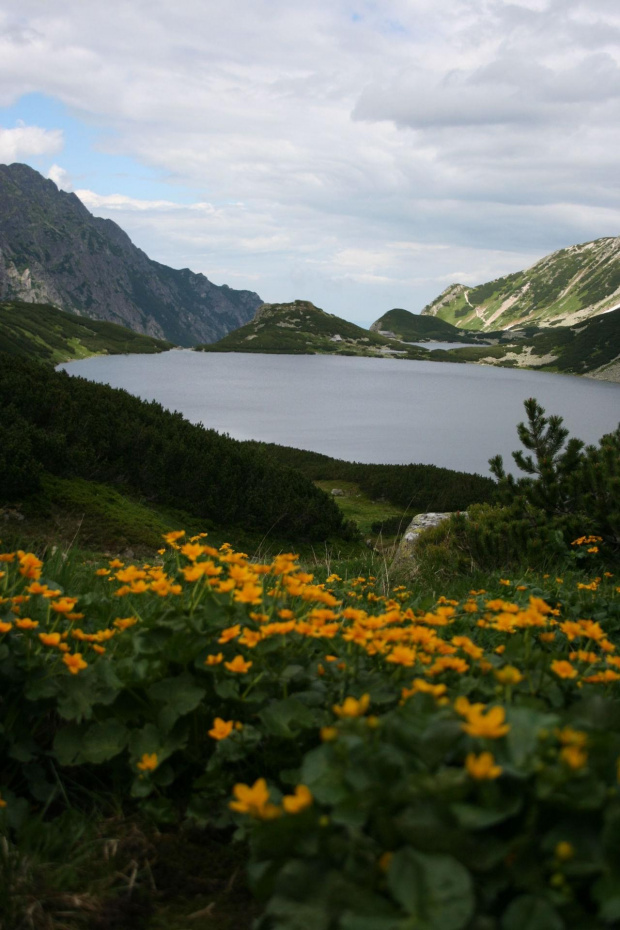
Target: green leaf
x=78, y=697
x=321, y=776
x=68, y=744
x=24, y=751
x=103, y=741
x=227, y=689
x=472, y=817
x=525, y=725
x=435, y=890
x=607, y=892
x=531, y=913
x=180, y=696
x=286, y=718
x=357, y=922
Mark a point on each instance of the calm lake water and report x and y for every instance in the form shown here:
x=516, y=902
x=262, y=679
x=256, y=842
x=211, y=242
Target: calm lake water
x=360, y=409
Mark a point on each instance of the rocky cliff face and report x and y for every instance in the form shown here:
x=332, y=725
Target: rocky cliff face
x=566, y=287
x=52, y=250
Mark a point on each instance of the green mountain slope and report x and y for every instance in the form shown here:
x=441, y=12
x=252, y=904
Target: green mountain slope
x=53, y=336
x=591, y=348
x=566, y=287
x=53, y=251
x=300, y=328
x=415, y=328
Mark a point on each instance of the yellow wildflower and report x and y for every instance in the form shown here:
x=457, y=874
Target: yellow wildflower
x=294, y=803
x=574, y=757
x=123, y=623
x=352, y=707
x=254, y=801
x=570, y=737
x=64, y=605
x=29, y=565
x=482, y=767
x=401, y=655
x=329, y=734
x=74, y=662
x=25, y=623
x=238, y=665
x=49, y=639
x=491, y=725
x=172, y=537
x=148, y=762
x=563, y=669
x=192, y=551
x=214, y=659
x=508, y=675
x=221, y=728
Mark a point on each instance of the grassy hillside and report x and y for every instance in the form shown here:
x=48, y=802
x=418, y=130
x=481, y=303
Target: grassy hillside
x=590, y=346
x=414, y=327
x=300, y=328
x=50, y=335
x=568, y=286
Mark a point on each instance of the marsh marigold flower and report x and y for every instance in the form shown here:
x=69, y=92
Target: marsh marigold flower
x=352, y=707
x=508, y=675
x=74, y=662
x=574, y=757
x=214, y=659
x=563, y=669
x=482, y=767
x=221, y=728
x=294, y=803
x=238, y=665
x=148, y=762
x=254, y=801
x=491, y=725
x=25, y=623
x=330, y=734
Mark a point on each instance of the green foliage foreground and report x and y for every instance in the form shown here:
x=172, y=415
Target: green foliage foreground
x=396, y=761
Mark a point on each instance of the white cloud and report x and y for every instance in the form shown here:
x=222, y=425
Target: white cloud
x=325, y=149
x=60, y=177
x=26, y=141
x=121, y=202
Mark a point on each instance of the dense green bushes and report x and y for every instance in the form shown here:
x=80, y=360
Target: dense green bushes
x=73, y=428
x=416, y=487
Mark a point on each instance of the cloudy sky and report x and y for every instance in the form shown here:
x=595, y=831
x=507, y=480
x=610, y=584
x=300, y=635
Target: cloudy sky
x=362, y=155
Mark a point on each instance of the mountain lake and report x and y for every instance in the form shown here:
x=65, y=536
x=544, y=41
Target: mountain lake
x=360, y=409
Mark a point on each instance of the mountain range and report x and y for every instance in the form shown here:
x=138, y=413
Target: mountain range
x=566, y=288
x=54, y=251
